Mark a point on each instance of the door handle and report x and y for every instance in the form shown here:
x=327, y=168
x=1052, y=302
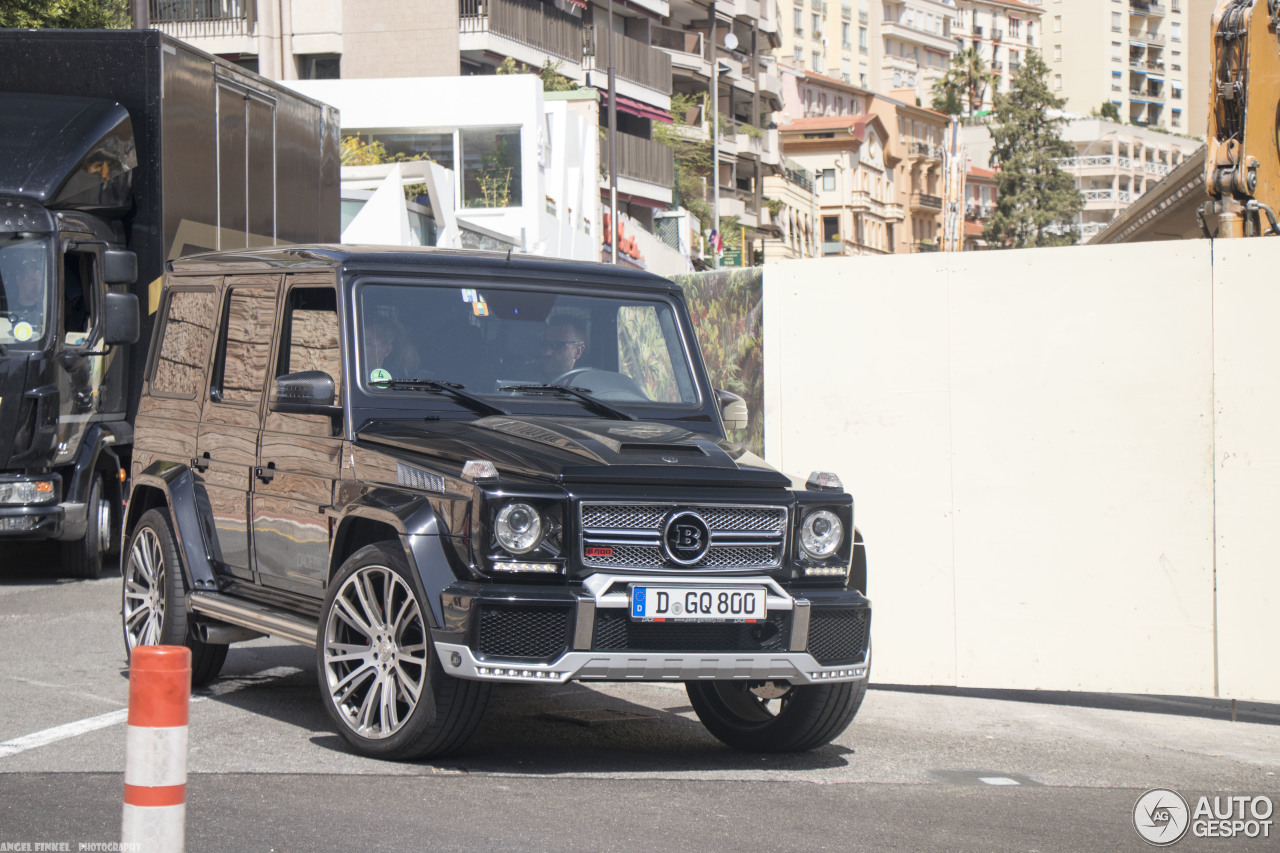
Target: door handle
x=265, y=473
x=201, y=463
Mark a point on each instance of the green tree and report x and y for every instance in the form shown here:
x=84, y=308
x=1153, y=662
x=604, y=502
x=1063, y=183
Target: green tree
x=1036, y=200
x=1109, y=110
x=552, y=79
x=967, y=80
x=65, y=14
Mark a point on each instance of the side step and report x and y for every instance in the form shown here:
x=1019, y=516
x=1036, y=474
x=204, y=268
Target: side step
x=249, y=614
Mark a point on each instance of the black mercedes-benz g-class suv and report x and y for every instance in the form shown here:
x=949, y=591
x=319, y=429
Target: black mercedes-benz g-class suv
x=445, y=470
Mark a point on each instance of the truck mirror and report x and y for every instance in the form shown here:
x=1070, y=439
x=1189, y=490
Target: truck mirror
x=120, y=317
x=733, y=409
x=119, y=266
x=310, y=392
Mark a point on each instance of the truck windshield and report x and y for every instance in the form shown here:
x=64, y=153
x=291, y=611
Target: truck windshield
x=512, y=344
x=24, y=290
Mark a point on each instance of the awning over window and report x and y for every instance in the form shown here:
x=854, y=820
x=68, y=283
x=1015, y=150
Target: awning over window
x=636, y=108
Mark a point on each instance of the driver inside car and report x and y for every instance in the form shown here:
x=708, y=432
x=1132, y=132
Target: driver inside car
x=562, y=344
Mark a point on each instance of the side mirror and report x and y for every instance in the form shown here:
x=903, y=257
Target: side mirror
x=308, y=393
x=119, y=266
x=733, y=409
x=120, y=318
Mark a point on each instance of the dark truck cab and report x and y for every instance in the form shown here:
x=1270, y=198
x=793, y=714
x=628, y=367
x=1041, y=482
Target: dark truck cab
x=122, y=149
x=447, y=470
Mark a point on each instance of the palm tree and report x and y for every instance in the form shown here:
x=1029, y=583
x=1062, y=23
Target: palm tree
x=968, y=77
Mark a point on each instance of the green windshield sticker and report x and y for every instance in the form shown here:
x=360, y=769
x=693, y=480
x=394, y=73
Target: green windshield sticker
x=380, y=375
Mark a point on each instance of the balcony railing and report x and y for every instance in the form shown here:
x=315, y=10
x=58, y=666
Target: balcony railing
x=636, y=61
x=641, y=159
x=797, y=174
x=931, y=202
x=185, y=18
x=1157, y=169
x=997, y=35
x=528, y=22
x=680, y=41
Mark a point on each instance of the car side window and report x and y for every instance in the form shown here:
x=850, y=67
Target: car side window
x=185, y=339
x=311, y=339
x=244, y=346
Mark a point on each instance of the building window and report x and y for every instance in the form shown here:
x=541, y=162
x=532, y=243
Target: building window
x=845, y=30
x=828, y=179
x=1057, y=81
x=1116, y=22
x=1177, y=118
x=817, y=26
x=319, y=66
x=799, y=20
x=862, y=39
x=1116, y=54
x=1175, y=31
x=1015, y=27
x=1057, y=53
x=490, y=167
x=817, y=62
x=1057, y=23
x=798, y=57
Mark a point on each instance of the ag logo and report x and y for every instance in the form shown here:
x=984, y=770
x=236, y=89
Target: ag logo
x=685, y=538
x=1161, y=817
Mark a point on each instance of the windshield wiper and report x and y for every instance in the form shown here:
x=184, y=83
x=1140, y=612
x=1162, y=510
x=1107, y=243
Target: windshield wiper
x=452, y=389
x=598, y=406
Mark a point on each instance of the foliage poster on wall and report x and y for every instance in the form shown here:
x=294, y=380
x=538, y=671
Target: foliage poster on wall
x=728, y=316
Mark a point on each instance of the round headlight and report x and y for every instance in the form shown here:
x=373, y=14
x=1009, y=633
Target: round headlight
x=821, y=534
x=519, y=528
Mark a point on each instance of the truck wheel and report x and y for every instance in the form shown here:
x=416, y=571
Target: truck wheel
x=774, y=716
x=382, y=684
x=154, y=599
x=83, y=558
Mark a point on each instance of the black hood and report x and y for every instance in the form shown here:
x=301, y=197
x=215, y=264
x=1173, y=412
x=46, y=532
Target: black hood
x=582, y=450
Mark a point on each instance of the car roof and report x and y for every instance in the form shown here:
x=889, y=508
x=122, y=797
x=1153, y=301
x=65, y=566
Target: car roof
x=420, y=260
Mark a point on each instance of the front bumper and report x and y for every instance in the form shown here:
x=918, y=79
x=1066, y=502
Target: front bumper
x=535, y=634
x=33, y=522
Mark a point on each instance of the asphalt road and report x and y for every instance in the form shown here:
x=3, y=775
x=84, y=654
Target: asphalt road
x=623, y=767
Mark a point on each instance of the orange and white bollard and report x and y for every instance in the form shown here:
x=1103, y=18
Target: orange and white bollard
x=155, y=758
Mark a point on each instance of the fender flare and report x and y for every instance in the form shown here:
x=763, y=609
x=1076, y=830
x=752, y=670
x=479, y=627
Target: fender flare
x=95, y=447
x=186, y=515
x=418, y=528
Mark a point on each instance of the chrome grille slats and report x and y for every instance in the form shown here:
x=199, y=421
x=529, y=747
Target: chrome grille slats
x=619, y=535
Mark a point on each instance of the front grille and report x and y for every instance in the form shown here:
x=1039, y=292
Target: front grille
x=838, y=636
x=615, y=631
x=523, y=632
x=628, y=536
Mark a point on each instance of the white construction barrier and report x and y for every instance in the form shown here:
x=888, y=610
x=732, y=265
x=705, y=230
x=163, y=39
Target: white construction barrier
x=1042, y=446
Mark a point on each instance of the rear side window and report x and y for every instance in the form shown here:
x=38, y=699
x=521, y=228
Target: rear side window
x=311, y=324
x=245, y=348
x=184, y=344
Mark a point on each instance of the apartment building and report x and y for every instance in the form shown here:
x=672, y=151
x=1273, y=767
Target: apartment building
x=1115, y=164
x=1003, y=31
x=659, y=47
x=1135, y=54
x=793, y=208
x=979, y=204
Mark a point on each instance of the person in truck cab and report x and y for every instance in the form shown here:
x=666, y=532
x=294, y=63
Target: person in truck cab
x=562, y=344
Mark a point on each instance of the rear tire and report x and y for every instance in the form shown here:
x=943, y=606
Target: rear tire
x=84, y=557
x=768, y=716
x=382, y=683
x=154, y=601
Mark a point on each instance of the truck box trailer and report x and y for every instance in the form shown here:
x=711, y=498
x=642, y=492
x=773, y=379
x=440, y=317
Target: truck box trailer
x=122, y=150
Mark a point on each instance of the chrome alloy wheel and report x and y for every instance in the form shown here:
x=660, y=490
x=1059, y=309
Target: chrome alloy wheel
x=100, y=516
x=375, y=652
x=144, y=580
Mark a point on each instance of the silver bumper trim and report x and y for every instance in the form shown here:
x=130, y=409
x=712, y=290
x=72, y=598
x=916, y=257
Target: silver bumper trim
x=796, y=667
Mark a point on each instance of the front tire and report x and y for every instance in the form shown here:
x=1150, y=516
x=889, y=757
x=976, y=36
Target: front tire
x=382, y=684
x=770, y=716
x=153, y=598
x=84, y=557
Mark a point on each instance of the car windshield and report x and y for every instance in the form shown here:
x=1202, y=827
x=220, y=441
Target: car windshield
x=510, y=344
x=24, y=294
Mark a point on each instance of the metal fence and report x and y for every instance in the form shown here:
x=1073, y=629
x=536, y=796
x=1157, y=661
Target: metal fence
x=642, y=159
x=636, y=61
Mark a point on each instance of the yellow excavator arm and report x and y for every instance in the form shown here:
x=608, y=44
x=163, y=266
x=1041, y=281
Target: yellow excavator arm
x=1242, y=166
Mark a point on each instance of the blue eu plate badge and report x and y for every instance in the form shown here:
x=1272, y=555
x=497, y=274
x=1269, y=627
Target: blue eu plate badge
x=637, y=603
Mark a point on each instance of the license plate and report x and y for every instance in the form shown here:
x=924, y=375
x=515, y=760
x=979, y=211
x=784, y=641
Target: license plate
x=697, y=604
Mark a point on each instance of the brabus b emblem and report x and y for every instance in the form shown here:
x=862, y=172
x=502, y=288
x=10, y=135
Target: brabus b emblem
x=685, y=538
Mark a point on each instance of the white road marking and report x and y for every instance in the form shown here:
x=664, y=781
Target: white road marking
x=998, y=780
x=111, y=718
